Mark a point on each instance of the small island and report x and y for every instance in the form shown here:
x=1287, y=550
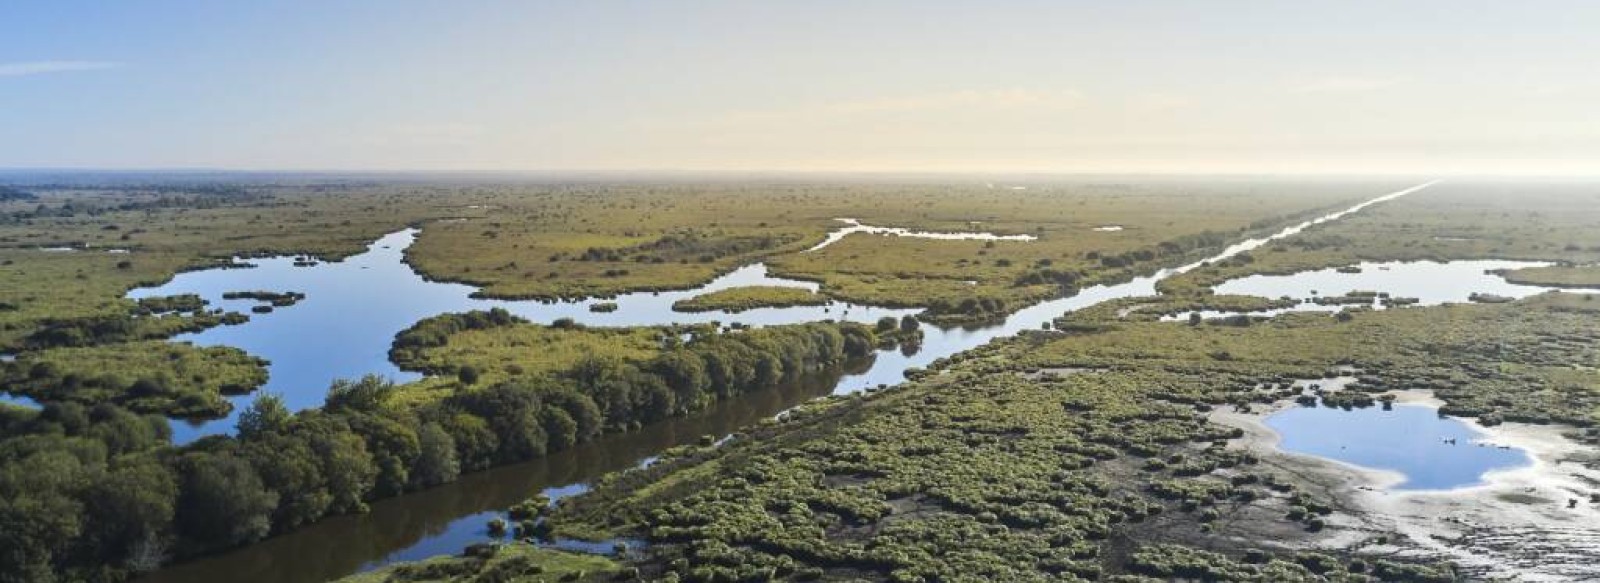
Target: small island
x=275, y=299
x=1567, y=276
x=739, y=299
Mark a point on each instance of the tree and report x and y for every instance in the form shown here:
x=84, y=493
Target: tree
x=222, y=501
x=40, y=514
x=130, y=509
x=437, y=462
x=367, y=394
x=349, y=470
x=468, y=375
x=266, y=414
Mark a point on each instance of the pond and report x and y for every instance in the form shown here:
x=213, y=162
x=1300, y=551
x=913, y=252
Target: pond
x=1430, y=451
x=354, y=307
x=1428, y=283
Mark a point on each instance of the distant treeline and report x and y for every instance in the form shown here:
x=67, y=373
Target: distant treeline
x=11, y=193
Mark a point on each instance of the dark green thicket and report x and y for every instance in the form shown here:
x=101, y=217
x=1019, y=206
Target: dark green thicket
x=97, y=493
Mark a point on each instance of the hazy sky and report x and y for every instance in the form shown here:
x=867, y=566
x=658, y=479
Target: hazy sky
x=1112, y=86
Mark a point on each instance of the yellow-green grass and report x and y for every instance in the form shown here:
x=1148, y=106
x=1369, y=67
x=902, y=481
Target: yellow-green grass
x=1522, y=221
x=511, y=563
x=501, y=353
x=35, y=285
x=509, y=248
x=1545, y=346
x=177, y=379
x=1569, y=276
x=164, y=238
x=738, y=299
x=514, y=229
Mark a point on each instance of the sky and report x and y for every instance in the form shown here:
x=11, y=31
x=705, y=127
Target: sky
x=1403, y=87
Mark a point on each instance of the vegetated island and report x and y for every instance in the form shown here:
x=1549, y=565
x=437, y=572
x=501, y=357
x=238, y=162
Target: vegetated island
x=275, y=299
x=739, y=299
x=1568, y=276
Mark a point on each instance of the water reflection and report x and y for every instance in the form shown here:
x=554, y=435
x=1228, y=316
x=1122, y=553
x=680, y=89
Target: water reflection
x=445, y=519
x=1432, y=452
x=1429, y=283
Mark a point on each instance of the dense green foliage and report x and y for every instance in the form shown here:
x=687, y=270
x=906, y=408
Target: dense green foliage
x=1085, y=454
x=286, y=470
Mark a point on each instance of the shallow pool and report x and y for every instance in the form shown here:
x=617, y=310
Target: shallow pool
x=1431, y=452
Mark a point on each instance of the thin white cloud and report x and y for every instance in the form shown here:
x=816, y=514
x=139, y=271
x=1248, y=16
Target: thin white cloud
x=22, y=69
x=995, y=100
x=1342, y=84
x=426, y=135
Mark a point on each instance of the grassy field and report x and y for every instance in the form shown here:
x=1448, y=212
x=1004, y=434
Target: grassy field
x=738, y=299
x=1570, y=276
x=1525, y=221
x=494, y=354
x=175, y=379
x=548, y=240
x=578, y=240
x=158, y=231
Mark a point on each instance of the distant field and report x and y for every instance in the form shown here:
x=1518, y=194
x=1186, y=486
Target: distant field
x=1527, y=221
x=577, y=241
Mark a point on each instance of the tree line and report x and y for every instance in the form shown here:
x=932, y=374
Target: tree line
x=99, y=493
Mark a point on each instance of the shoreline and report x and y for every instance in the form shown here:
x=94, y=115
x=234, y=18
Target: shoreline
x=1515, y=525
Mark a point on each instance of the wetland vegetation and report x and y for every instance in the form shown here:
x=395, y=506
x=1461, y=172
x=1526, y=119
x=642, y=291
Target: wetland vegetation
x=1087, y=450
x=739, y=299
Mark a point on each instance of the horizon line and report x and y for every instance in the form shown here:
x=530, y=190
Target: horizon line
x=778, y=172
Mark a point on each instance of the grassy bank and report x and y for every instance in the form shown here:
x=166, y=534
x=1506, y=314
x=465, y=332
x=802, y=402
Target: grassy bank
x=739, y=299
x=513, y=563
x=1568, y=276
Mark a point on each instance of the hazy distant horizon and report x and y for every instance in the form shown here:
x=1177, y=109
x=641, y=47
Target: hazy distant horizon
x=1432, y=87
x=994, y=179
